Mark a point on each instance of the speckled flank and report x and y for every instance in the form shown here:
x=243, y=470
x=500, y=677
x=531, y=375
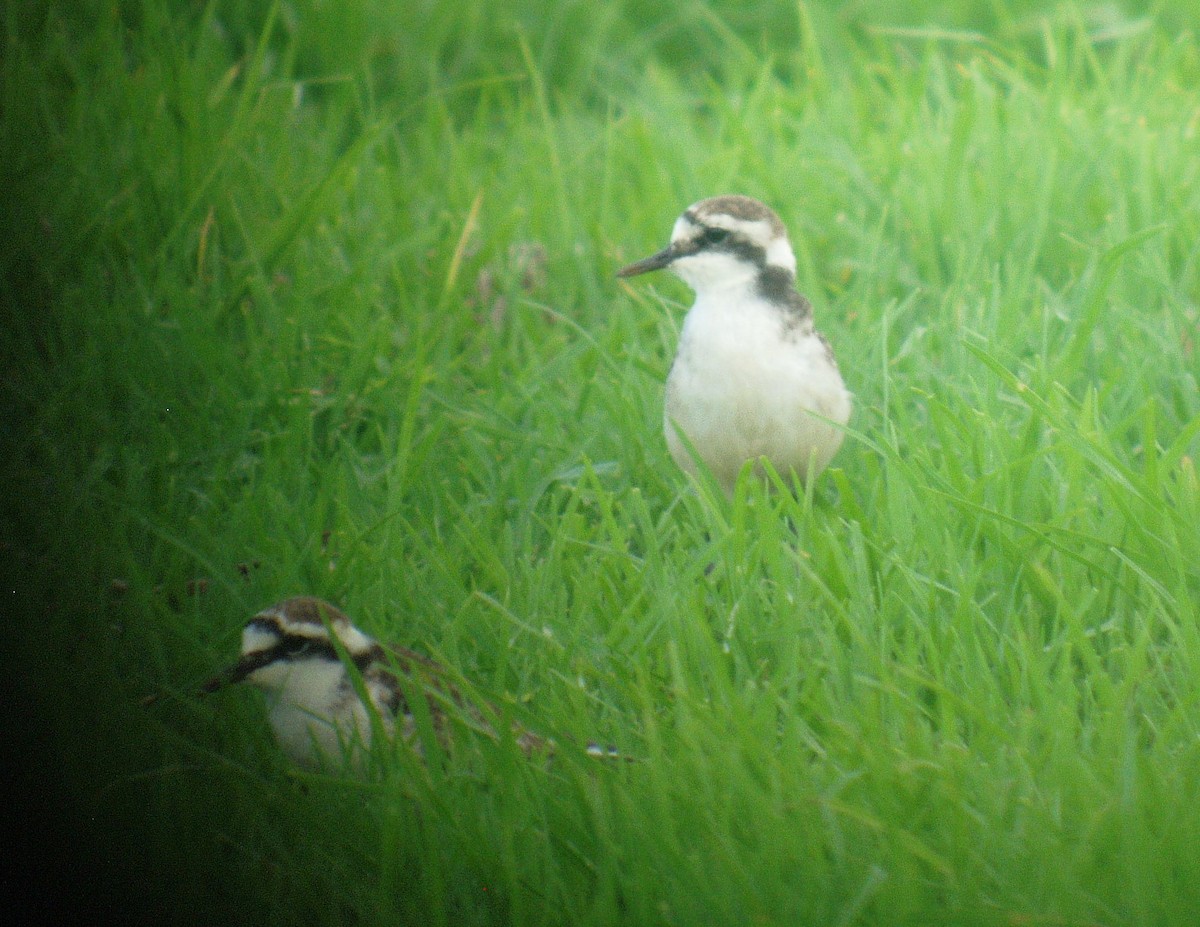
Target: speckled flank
x=828, y=351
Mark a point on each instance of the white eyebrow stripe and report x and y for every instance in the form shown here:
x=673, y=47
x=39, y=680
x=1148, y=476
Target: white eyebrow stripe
x=256, y=637
x=684, y=229
x=301, y=629
x=753, y=229
x=779, y=254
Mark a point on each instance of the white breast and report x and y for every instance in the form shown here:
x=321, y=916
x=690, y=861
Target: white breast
x=739, y=389
x=317, y=716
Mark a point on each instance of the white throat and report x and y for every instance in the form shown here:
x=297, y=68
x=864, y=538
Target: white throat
x=709, y=273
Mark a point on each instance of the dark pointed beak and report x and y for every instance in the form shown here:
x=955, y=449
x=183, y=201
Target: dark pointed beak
x=218, y=682
x=655, y=262
x=227, y=677
x=232, y=675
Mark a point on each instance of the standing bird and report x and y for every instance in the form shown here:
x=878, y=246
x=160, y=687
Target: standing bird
x=752, y=377
x=315, y=708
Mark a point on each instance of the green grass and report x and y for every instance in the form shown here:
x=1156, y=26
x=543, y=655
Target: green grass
x=319, y=298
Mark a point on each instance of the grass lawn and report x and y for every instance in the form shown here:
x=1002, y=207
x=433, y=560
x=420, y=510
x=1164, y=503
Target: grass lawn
x=314, y=297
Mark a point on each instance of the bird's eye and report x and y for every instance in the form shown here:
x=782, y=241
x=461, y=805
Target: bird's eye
x=296, y=646
x=714, y=236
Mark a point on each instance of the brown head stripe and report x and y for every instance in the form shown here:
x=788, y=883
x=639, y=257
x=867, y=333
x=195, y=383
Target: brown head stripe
x=739, y=207
x=305, y=609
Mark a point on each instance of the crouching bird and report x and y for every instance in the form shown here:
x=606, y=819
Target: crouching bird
x=330, y=687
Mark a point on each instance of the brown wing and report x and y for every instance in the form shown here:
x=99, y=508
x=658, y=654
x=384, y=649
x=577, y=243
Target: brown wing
x=443, y=697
